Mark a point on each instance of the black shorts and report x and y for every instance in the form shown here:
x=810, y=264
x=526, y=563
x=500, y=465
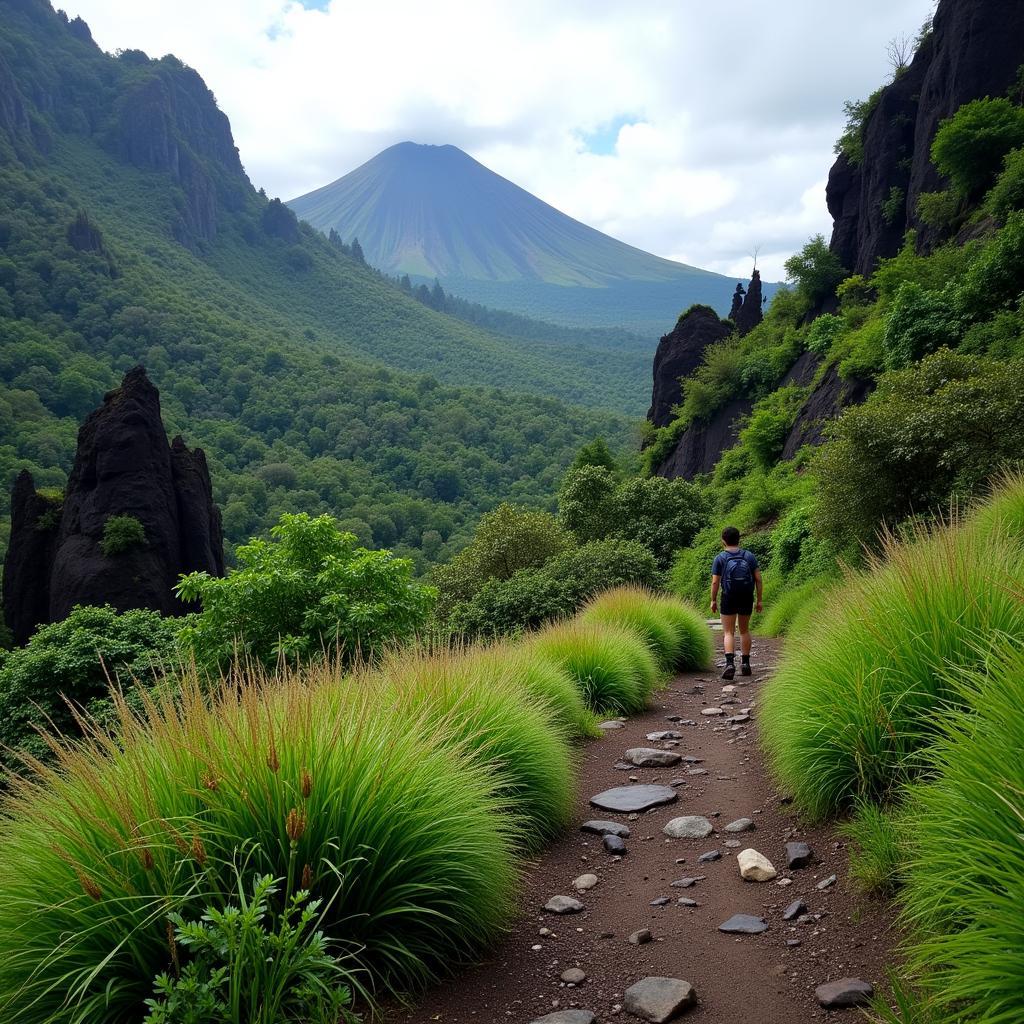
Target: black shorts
x=737, y=604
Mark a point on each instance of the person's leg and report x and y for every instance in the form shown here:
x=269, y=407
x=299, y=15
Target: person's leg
x=729, y=642
x=746, y=642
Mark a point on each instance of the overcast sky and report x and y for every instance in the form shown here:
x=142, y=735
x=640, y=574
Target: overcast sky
x=695, y=129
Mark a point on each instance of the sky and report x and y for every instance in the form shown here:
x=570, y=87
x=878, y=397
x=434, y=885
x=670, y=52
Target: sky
x=699, y=131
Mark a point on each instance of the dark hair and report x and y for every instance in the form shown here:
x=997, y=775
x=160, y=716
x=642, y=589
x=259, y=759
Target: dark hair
x=731, y=536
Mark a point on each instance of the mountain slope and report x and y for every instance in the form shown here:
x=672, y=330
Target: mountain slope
x=129, y=233
x=434, y=211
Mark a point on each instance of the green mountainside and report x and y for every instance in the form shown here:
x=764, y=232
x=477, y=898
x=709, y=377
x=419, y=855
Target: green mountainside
x=129, y=233
x=435, y=212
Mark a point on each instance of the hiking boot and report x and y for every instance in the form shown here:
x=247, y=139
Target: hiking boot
x=730, y=672
x=745, y=669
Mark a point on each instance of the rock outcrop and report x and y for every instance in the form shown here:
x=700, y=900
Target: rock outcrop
x=826, y=401
x=973, y=50
x=123, y=467
x=751, y=312
x=737, y=301
x=703, y=442
x=678, y=355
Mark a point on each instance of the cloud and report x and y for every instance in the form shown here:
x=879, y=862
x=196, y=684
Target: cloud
x=695, y=131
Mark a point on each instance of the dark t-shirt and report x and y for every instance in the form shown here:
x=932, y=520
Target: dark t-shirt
x=722, y=558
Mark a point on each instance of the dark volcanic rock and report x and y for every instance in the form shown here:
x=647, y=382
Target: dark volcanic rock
x=633, y=799
x=123, y=466
x=831, y=395
x=702, y=444
x=751, y=312
x=680, y=353
x=846, y=992
x=798, y=855
x=744, y=924
x=737, y=302
x=973, y=51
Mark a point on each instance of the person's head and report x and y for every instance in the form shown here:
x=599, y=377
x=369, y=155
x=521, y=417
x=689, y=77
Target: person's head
x=731, y=537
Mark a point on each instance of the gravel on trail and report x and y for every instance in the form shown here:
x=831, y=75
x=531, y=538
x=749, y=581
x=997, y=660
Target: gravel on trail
x=817, y=936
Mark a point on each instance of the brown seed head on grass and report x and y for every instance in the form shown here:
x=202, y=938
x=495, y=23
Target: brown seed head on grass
x=92, y=890
x=307, y=877
x=295, y=824
x=198, y=851
x=306, y=784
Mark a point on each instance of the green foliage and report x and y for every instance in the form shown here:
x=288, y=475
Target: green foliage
x=824, y=331
x=596, y=453
x=719, y=378
x=613, y=668
x=303, y=776
x=75, y=660
x=894, y=207
x=507, y=539
x=586, y=503
x=851, y=142
x=919, y=322
x=815, y=270
x=853, y=293
x=306, y=591
x=1007, y=195
x=890, y=638
x=121, y=534
x=938, y=210
x=969, y=147
x=863, y=351
x=532, y=597
x=786, y=609
x=929, y=432
x=933, y=271
x=995, y=279
x=769, y=424
x=251, y=964
x=878, y=860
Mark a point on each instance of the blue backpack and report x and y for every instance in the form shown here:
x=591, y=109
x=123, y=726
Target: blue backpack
x=737, y=576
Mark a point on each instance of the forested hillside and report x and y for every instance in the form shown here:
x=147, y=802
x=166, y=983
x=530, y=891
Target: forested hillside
x=130, y=234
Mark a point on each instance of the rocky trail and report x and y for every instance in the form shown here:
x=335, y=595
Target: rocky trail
x=644, y=914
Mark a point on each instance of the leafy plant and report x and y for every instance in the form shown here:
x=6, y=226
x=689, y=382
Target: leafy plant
x=894, y=206
x=824, y=331
x=815, y=270
x=1007, y=195
x=969, y=147
x=851, y=142
x=938, y=209
x=919, y=322
x=307, y=591
x=250, y=964
x=121, y=534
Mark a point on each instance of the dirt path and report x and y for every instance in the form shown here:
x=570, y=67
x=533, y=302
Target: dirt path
x=754, y=979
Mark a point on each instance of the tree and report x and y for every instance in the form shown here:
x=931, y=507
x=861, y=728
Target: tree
x=969, y=147
x=596, y=453
x=900, y=50
x=437, y=296
x=586, y=502
x=357, y=251
x=815, y=270
x=306, y=592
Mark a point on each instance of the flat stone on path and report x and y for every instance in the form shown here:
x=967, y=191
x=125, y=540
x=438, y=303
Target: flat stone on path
x=641, y=937
x=827, y=883
x=613, y=844
x=740, y=825
x=585, y=882
x=606, y=828
x=574, y=976
x=649, y=757
x=633, y=799
x=755, y=867
x=667, y=734
x=837, y=995
x=744, y=924
x=611, y=725
x=689, y=826
x=798, y=855
x=659, y=999
x=563, y=905
x=795, y=909
x=711, y=711
x=566, y=1017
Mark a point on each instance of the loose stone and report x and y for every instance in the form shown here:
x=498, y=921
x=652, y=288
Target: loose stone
x=606, y=828
x=836, y=995
x=687, y=883
x=795, y=909
x=633, y=799
x=689, y=826
x=661, y=901
x=585, y=882
x=827, y=883
x=709, y=857
x=798, y=855
x=685, y=901
x=574, y=976
x=744, y=924
x=641, y=937
x=649, y=757
x=659, y=999
x=563, y=905
x=566, y=1017
x=732, y=843
x=613, y=844
x=754, y=866
x=740, y=825
x=666, y=734
x=696, y=771
x=710, y=712
x=611, y=725
x=793, y=943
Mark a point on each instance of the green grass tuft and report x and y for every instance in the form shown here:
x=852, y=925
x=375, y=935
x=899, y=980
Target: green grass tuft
x=878, y=858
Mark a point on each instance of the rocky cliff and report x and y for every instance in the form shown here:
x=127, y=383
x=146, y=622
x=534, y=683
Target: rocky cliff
x=123, y=467
x=973, y=50
x=751, y=311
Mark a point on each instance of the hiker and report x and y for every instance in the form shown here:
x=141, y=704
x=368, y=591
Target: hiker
x=735, y=572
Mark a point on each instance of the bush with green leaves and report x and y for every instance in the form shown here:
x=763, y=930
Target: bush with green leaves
x=919, y=322
x=1007, y=195
x=823, y=332
x=815, y=270
x=938, y=210
x=769, y=423
x=71, y=664
x=121, y=534
x=995, y=278
x=253, y=961
x=969, y=147
x=307, y=591
x=939, y=429
x=851, y=142
x=894, y=206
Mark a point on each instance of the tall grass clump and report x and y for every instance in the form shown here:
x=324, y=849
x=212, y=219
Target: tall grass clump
x=964, y=890
x=1002, y=513
x=858, y=692
x=612, y=667
x=636, y=609
x=878, y=857
x=542, y=679
x=693, y=638
x=783, y=614
x=317, y=784
x=480, y=705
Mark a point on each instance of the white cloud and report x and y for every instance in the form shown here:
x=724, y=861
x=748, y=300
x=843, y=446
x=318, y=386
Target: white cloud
x=726, y=112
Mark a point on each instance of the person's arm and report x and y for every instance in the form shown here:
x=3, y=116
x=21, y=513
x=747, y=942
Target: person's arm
x=760, y=587
x=716, y=582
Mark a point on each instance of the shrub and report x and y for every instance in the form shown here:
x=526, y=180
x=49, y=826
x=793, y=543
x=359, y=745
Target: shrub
x=970, y=146
x=851, y=142
x=634, y=608
x=878, y=859
x=782, y=609
x=995, y=279
x=938, y=209
x=854, y=293
x=824, y=331
x=769, y=424
x=306, y=591
x=586, y=502
x=613, y=668
x=480, y=706
x=965, y=873
x=252, y=964
x=815, y=270
x=919, y=322
x=310, y=777
x=888, y=637
x=121, y=534
x=75, y=661
x=1007, y=195
x=693, y=638
x=894, y=207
